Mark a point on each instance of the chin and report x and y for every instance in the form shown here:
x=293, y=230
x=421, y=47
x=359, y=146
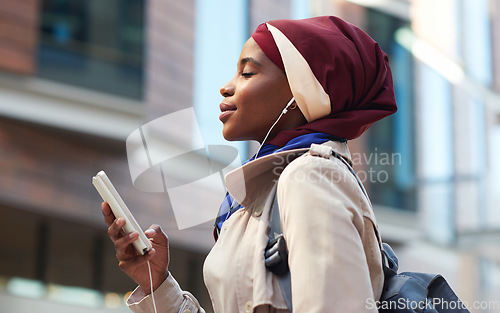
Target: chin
x=229, y=138
x=228, y=135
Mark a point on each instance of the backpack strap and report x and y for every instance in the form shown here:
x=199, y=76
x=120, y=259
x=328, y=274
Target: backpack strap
x=276, y=255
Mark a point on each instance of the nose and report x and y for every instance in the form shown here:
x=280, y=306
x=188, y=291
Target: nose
x=227, y=90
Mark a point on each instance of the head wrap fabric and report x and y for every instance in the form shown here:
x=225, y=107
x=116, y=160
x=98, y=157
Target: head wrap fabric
x=308, y=93
x=349, y=65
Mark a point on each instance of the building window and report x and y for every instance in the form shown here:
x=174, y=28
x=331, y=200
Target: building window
x=391, y=141
x=66, y=262
x=93, y=44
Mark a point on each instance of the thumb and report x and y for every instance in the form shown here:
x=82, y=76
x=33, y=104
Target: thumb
x=156, y=233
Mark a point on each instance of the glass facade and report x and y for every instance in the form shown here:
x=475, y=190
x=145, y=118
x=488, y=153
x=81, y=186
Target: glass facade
x=390, y=142
x=58, y=260
x=65, y=262
x=93, y=44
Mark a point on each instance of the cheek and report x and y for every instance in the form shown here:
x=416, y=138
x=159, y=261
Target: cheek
x=265, y=98
x=259, y=105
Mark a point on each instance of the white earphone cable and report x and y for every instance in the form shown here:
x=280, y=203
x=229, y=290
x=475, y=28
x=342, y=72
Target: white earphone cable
x=276, y=122
x=151, y=281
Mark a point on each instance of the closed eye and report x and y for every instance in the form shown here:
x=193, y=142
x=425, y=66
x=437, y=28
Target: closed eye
x=247, y=74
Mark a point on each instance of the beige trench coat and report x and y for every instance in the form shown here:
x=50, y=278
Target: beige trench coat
x=329, y=226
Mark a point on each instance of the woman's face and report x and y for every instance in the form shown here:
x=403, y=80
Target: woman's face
x=254, y=97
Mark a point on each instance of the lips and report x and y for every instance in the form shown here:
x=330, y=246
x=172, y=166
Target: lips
x=227, y=110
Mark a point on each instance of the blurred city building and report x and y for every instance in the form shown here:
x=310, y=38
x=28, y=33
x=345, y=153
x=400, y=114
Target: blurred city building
x=77, y=77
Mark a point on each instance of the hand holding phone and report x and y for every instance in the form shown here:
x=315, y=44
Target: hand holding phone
x=109, y=194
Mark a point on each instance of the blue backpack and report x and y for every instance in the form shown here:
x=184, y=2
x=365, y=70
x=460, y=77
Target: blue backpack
x=408, y=292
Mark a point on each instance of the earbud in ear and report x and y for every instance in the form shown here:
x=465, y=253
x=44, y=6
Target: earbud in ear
x=276, y=122
x=288, y=105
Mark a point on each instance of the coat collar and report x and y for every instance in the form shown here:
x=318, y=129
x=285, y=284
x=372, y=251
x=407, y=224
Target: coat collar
x=255, y=179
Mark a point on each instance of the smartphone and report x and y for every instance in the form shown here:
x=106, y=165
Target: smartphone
x=109, y=194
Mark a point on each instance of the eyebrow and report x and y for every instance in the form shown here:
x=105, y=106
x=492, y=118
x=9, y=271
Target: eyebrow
x=249, y=59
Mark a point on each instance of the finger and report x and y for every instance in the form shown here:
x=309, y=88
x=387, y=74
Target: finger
x=128, y=264
x=115, y=230
x=109, y=217
x=156, y=233
x=123, y=246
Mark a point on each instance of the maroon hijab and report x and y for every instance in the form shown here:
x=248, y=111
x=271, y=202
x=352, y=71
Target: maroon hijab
x=349, y=65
